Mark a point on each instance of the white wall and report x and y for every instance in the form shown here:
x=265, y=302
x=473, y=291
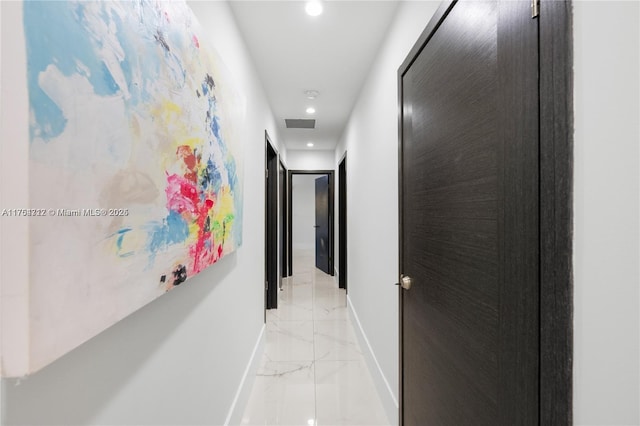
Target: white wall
x=303, y=192
x=180, y=359
x=310, y=160
x=606, y=213
x=371, y=142
x=1, y=393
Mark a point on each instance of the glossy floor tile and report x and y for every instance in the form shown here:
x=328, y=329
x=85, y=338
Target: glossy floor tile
x=312, y=371
x=345, y=393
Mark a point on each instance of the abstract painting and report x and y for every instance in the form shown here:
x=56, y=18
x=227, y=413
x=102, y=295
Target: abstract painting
x=135, y=162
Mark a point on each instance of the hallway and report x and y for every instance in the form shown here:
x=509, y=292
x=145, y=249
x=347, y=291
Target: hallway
x=133, y=224
x=312, y=371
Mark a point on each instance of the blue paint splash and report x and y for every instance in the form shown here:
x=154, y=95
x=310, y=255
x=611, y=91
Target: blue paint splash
x=173, y=230
x=65, y=43
x=121, y=233
x=211, y=177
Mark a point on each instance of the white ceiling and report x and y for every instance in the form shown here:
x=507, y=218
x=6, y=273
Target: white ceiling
x=331, y=53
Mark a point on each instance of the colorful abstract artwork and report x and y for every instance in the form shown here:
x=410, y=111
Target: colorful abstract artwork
x=135, y=162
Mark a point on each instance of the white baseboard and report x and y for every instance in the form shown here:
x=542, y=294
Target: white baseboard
x=234, y=417
x=385, y=391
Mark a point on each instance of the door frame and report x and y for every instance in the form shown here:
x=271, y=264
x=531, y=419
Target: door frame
x=556, y=205
x=283, y=194
x=290, y=175
x=342, y=223
x=271, y=225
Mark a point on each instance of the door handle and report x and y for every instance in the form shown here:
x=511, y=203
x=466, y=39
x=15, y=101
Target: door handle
x=406, y=282
x=316, y=226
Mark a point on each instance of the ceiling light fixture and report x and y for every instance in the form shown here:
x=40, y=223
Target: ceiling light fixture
x=313, y=8
x=311, y=110
x=311, y=94
x=309, y=144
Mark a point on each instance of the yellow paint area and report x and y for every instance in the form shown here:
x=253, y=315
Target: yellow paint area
x=223, y=211
x=170, y=118
x=192, y=143
x=193, y=231
x=224, y=202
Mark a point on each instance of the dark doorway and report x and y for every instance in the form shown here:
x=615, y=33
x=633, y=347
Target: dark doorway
x=479, y=344
x=282, y=220
x=322, y=224
x=271, y=226
x=330, y=202
x=342, y=223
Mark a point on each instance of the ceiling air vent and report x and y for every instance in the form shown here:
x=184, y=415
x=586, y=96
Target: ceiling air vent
x=296, y=123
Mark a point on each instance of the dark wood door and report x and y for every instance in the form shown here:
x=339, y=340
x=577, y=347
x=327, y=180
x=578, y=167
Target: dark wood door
x=282, y=221
x=469, y=219
x=271, y=227
x=342, y=223
x=322, y=225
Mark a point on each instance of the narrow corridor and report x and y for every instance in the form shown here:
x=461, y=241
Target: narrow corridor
x=313, y=371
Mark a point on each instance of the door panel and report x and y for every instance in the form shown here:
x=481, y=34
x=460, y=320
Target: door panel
x=342, y=224
x=462, y=320
x=520, y=235
x=271, y=227
x=282, y=222
x=322, y=225
x=450, y=205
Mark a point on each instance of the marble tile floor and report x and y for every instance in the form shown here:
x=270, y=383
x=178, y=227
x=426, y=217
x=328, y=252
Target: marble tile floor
x=312, y=372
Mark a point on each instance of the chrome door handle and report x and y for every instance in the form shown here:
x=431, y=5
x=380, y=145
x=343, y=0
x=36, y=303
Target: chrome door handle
x=406, y=282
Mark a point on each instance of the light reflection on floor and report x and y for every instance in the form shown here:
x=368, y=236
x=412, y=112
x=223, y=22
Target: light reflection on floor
x=313, y=371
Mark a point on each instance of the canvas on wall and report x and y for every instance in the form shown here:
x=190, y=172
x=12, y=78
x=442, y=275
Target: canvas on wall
x=135, y=172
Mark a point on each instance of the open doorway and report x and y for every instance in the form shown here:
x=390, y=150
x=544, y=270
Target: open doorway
x=312, y=229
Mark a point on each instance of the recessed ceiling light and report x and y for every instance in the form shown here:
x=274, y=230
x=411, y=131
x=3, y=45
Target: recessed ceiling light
x=309, y=144
x=311, y=110
x=313, y=8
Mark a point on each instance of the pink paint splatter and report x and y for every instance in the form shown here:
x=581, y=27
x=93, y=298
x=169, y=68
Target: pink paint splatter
x=201, y=256
x=195, y=41
x=194, y=204
x=182, y=195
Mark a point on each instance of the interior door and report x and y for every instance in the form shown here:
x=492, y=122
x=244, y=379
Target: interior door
x=342, y=223
x=469, y=231
x=322, y=225
x=271, y=227
x=282, y=221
